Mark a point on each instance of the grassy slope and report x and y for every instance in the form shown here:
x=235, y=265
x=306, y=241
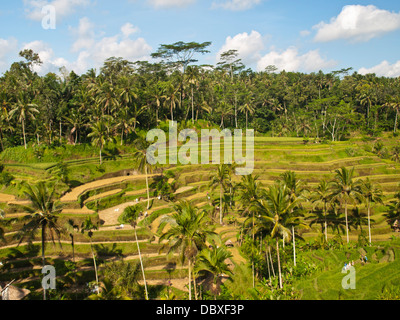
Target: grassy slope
x=273, y=156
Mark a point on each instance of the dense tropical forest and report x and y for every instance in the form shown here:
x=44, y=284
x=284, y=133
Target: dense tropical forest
x=125, y=97
x=73, y=170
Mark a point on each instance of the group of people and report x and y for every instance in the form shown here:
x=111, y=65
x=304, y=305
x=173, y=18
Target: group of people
x=364, y=259
x=347, y=266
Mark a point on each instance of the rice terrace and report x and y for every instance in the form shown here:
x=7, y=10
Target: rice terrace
x=112, y=188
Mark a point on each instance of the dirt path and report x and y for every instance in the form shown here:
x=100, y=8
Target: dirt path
x=6, y=198
x=102, y=195
x=74, y=194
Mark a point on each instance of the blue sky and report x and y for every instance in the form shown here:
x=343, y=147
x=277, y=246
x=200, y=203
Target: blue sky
x=294, y=35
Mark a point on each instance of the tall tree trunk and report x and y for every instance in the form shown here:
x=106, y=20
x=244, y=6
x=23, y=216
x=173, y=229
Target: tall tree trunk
x=147, y=187
x=23, y=132
x=192, y=106
x=141, y=264
x=294, y=246
x=279, y=263
x=326, y=224
x=220, y=205
x=95, y=266
x=395, y=121
x=269, y=270
x=347, y=222
x=271, y=261
x=1, y=139
x=236, y=117
x=101, y=159
x=190, y=279
x=43, y=250
x=369, y=221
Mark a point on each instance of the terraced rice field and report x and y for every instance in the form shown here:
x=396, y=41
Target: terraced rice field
x=273, y=157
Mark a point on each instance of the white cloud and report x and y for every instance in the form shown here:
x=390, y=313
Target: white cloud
x=129, y=29
x=7, y=47
x=85, y=35
x=63, y=8
x=98, y=49
x=92, y=49
x=248, y=46
x=358, y=23
x=384, y=69
x=291, y=60
x=50, y=63
x=160, y=4
x=236, y=5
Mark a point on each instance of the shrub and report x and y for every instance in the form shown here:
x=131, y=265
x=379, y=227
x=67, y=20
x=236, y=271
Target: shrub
x=6, y=178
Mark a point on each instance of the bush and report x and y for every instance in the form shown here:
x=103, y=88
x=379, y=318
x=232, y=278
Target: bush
x=6, y=178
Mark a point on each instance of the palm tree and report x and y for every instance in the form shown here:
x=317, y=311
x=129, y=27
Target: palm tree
x=100, y=136
x=43, y=215
x=273, y=211
x=346, y=191
x=322, y=195
x=295, y=189
x=171, y=98
x=71, y=227
x=141, y=163
x=188, y=232
x=225, y=110
x=24, y=110
x=192, y=73
x=220, y=179
x=371, y=194
x=396, y=154
x=88, y=226
x=247, y=108
x=131, y=216
x=393, y=214
x=76, y=120
x=214, y=262
x=395, y=104
x=250, y=191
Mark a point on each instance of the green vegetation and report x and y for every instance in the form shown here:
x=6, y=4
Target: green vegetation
x=82, y=196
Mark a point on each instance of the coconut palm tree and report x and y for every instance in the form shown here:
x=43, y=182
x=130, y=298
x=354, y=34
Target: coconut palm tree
x=321, y=196
x=371, y=194
x=220, y=179
x=42, y=215
x=188, y=232
x=71, y=227
x=346, y=191
x=296, y=191
x=100, y=136
x=213, y=261
x=247, y=108
x=249, y=192
x=393, y=213
x=131, y=216
x=24, y=111
x=141, y=163
x=396, y=153
x=272, y=213
x=88, y=226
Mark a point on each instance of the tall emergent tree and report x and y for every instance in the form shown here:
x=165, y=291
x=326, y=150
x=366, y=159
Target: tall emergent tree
x=42, y=215
x=346, y=191
x=189, y=229
x=131, y=216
